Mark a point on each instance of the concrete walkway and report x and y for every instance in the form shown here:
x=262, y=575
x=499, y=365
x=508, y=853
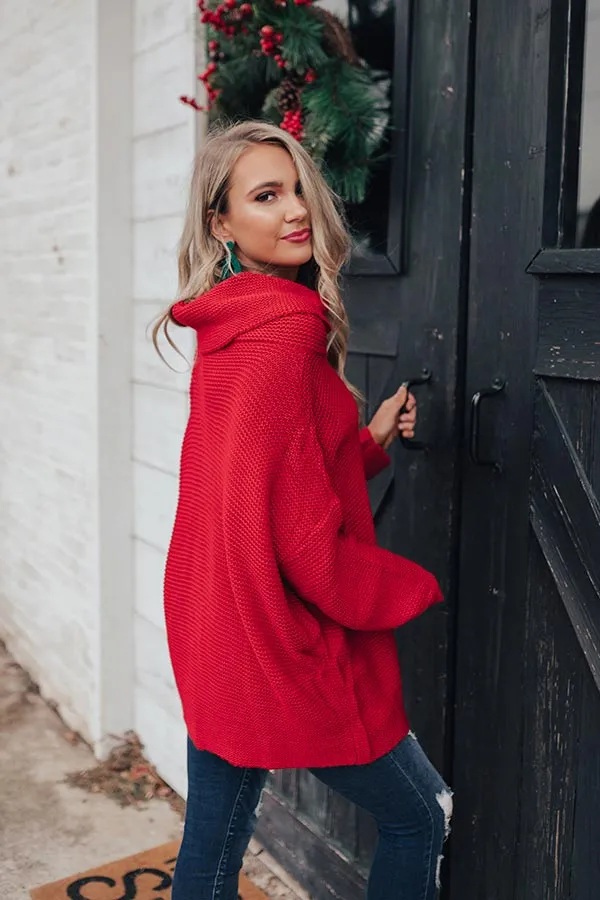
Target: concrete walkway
x=49, y=830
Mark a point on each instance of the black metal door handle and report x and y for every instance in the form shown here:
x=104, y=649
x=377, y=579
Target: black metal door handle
x=423, y=378
x=497, y=387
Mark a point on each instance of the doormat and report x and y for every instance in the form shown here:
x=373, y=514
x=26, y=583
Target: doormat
x=143, y=876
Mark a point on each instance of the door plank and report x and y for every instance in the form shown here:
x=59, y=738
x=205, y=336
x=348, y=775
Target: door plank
x=578, y=594
x=379, y=370
x=572, y=493
x=298, y=847
x=553, y=676
x=286, y=782
x=367, y=839
x=576, y=261
x=314, y=800
x=569, y=335
x=356, y=371
x=510, y=122
x=343, y=822
x=585, y=859
x=574, y=402
x=593, y=468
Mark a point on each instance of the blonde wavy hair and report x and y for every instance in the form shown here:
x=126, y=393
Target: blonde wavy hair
x=201, y=254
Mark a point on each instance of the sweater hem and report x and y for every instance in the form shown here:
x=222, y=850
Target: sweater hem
x=317, y=758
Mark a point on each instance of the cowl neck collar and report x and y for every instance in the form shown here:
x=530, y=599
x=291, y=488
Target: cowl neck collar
x=245, y=302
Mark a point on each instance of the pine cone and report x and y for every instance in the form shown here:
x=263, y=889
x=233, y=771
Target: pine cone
x=289, y=96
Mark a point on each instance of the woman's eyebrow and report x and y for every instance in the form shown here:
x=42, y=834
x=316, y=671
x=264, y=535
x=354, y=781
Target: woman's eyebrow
x=266, y=184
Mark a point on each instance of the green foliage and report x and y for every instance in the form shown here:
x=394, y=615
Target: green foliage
x=345, y=111
x=270, y=107
x=242, y=82
x=346, y=122
x=303, y=37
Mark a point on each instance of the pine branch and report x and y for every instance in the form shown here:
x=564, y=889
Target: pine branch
x=270, y=108
x=350, y=183
x=303, y=48
x=344, y=97
x=241, y=83
x=342, y=103
x=346, y=116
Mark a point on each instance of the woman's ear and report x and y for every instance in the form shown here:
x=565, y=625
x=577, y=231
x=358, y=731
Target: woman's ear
x=218, y=227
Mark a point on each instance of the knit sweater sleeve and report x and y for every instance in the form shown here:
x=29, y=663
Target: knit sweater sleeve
x=375, y=459
x=360, y=585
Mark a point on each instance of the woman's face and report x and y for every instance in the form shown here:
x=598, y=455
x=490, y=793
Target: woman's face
x=267, y=218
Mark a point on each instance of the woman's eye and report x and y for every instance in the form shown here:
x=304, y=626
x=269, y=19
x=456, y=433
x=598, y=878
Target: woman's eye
x=299, y=190
x=262, y=198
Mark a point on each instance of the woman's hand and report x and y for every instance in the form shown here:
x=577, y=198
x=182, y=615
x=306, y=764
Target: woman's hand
x=388, y=423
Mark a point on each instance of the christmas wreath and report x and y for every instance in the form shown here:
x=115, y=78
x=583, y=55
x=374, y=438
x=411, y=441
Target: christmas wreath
x=294, y=64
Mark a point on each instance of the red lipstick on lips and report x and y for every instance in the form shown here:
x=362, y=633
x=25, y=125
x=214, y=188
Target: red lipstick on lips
x=298, y=237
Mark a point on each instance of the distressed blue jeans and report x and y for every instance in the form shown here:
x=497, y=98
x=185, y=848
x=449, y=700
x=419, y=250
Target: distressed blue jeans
x=404, y=793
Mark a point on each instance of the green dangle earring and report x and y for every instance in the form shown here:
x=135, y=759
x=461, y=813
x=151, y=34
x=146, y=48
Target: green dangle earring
x=231, y=264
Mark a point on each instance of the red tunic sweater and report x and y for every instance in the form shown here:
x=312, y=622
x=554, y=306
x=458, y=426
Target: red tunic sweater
x=279, y=605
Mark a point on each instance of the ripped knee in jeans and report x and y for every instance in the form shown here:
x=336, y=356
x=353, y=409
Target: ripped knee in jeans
x=444, y=798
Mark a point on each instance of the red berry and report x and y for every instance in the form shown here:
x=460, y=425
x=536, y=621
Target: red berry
x=231, y=4
x=279, y=38
x=211, y=67
x=246, y=9
x=267, y=31
x=213, y=45
x=189, y=101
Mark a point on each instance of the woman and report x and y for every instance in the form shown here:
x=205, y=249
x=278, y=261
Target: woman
x=279, y=605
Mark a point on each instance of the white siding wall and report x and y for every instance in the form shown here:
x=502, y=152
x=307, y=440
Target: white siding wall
x=96, y=151
x=65, y=361
x=48, y=455
x=163, y=148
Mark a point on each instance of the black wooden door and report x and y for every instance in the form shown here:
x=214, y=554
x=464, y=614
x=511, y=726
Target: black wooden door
x=403, y=295
x=490, y=280
x=526, y=767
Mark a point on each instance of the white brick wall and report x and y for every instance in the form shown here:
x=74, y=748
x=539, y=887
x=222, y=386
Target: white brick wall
x=48, y=511
x=66, y=607
x=95, y=150
x=163, y=148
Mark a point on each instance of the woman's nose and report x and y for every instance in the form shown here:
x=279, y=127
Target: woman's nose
x=295, y=209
